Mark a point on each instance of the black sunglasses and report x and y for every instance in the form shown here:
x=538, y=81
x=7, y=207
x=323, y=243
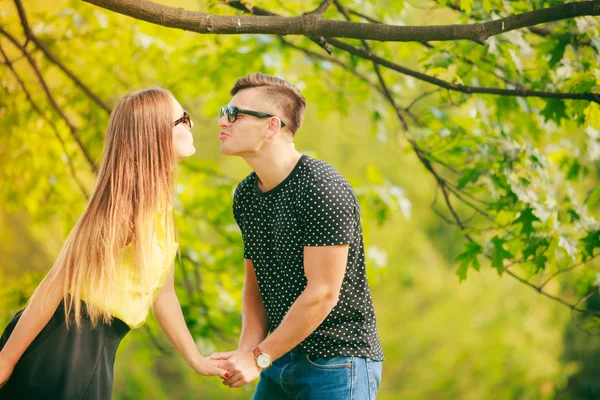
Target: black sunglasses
x=232, y=114
x=185, y=119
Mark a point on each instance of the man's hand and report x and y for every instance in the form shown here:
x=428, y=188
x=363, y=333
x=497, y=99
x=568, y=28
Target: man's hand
x=242, y=367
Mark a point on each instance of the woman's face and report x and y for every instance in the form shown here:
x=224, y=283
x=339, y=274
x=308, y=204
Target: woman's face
x=183, y=141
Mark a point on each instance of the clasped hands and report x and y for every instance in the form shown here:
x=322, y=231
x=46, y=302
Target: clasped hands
x=241, y=366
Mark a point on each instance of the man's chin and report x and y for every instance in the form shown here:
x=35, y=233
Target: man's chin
x=227, y=151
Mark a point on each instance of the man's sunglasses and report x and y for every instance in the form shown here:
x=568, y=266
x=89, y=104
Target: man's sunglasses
x=232, y=114
x=185, y=119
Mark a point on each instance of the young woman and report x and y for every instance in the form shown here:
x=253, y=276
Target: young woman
x=117, y=262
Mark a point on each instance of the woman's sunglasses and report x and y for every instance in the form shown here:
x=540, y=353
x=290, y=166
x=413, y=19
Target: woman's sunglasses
x=232, y=114
x=185, y=119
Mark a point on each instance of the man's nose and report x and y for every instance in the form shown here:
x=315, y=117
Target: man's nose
x=223, y=121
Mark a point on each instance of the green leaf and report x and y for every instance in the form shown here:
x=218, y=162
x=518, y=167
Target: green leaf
x=505, y=202
x=468, y=258
x=440, y=61
x=533, y=246
x=590, y=242
x=594, y=197
x=526, y=219
x=354, y=61
x=499, y=254
x=505, y=106
x=573, y=215
x=466, y=6
x=555, y=48
x=555, y=110
x=540, y=263
x=574, y=170
x=580, y=83
x=470, y=175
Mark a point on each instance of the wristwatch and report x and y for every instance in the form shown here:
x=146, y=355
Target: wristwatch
x=263, y=360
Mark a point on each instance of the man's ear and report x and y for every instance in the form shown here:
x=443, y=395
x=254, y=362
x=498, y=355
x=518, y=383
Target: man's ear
x=274, y=126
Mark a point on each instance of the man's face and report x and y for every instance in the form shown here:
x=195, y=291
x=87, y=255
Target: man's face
x=247, y=133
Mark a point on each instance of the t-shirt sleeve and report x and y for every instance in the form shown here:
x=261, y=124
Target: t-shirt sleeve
x=328, y=214
x=238, y=214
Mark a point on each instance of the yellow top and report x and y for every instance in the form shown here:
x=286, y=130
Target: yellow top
x=130, y=298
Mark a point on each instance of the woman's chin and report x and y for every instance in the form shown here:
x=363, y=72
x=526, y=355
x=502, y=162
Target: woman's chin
x=187, y=153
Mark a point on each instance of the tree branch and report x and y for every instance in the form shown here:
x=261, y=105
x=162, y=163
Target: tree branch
x=53, y=102
x=445, y=187
x=322, y=7
x=244, y=6
x=562, y=271
x=543, y=32
x=540, y=291
x=30, y=36
x=332, y=60
x=47, y=120
x=431, y=47
x=420, y=97
x=430, y=79
x=462, y=88
x=313, y=25
x=363, y=16
x=382, y=84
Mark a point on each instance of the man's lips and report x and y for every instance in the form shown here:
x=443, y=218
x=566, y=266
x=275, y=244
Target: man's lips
x=223, y=135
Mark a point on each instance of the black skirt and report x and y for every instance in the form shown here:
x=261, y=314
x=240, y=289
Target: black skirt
x=74, y=364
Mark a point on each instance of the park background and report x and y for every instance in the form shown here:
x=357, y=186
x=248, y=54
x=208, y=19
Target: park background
x=456, y=316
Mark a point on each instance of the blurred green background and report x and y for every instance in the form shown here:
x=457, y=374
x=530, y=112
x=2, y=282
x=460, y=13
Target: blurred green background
x=487, y=337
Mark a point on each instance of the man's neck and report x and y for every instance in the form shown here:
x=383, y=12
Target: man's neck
x=273, y=167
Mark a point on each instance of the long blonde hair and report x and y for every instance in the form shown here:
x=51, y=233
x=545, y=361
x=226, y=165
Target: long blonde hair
x=136, y=180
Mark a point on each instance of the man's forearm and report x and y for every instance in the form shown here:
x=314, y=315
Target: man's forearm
x=254, y=320
x=304, y=316
x=252, y=334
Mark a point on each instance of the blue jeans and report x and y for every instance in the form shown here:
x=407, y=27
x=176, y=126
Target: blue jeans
x=298, y=376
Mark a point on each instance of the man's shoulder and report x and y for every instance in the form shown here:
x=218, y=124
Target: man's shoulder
x=244, y=188
x=315, y=171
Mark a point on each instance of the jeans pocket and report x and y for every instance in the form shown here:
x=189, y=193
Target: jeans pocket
x=374, y=369
x=330, y=363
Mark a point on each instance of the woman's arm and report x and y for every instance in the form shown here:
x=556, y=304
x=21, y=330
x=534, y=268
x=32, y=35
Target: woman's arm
x=170, y=318
x=35, y=316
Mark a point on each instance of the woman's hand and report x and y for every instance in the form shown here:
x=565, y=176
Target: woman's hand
x=224, y=356
x=6, y=369
x=208, y=367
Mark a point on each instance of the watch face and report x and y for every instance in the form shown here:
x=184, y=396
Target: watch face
x=263, y=361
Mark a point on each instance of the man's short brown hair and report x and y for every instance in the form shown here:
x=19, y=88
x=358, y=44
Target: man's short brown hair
x=285, y=96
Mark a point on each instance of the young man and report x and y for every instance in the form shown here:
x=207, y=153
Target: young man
x=305, y=280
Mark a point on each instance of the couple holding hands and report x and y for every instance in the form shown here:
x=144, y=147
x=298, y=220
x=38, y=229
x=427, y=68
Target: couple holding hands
x=308, y=324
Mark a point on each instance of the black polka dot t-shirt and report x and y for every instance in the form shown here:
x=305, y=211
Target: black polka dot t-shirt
x=313, y=206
